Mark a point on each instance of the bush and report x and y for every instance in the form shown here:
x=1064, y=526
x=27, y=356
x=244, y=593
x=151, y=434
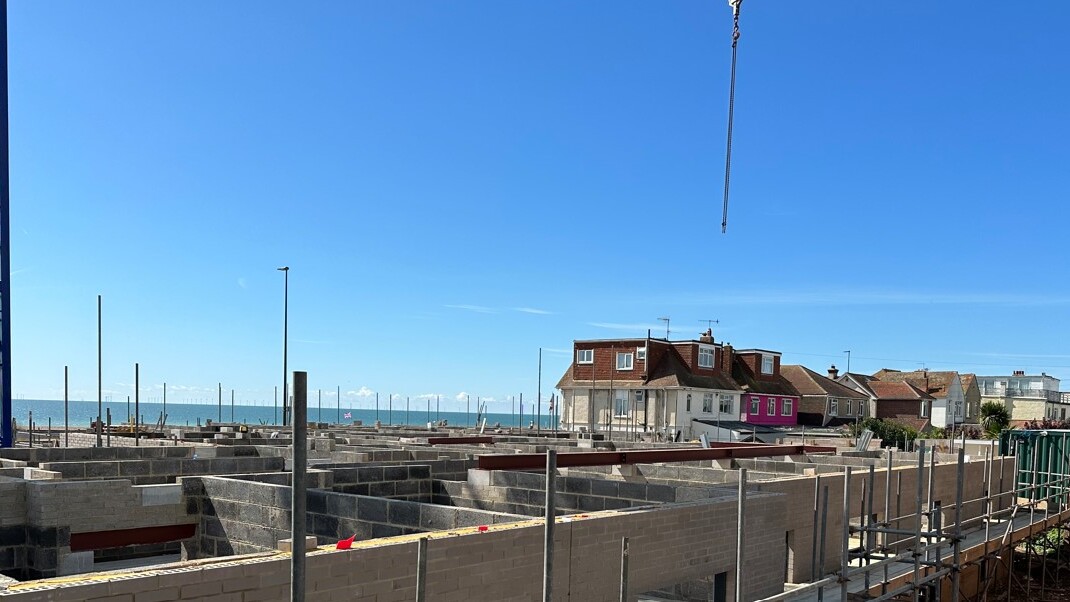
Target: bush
x=890, y=432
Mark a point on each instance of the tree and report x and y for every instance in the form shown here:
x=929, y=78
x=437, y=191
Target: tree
x=994, y=418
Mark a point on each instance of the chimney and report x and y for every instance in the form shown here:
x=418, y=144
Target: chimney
x=706, y=337
x=726, y=358
x=833, y=372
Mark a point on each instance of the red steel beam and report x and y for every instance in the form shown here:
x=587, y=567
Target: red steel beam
x=459, y=440
x=645, y=456
x=99, y=540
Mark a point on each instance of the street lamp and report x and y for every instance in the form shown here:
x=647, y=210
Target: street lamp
x=285, y=331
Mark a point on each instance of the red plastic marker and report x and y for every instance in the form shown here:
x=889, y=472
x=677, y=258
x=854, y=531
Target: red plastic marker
x=482, y=528
x=345, y=544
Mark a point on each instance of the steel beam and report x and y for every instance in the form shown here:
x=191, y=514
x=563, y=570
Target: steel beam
x=645, y=456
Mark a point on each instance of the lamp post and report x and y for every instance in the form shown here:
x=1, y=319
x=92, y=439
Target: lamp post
x=285, y=332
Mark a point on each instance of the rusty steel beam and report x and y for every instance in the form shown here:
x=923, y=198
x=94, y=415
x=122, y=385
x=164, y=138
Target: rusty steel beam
x=645, y=456
x=458, y=440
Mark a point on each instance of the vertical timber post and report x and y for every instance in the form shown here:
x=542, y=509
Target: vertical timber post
x=548, y=535
x=300, y=460
x=741, y=521
x=845, y=548
x=421, y=569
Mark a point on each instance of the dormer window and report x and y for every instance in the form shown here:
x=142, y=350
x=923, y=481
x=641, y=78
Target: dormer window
x=585, y=356
x=705, y=357
x=624, y=361
x=767, y=364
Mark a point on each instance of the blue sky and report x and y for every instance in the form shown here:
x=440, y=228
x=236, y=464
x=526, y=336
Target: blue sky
x=457, y=184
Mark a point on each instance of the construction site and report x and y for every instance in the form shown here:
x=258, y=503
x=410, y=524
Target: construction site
x=449, y=514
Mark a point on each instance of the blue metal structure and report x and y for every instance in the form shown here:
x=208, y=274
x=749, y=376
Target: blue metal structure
x=7, y=438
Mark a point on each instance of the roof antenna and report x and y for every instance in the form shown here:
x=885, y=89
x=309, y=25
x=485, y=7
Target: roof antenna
x=666, y=320
x=735, y=4
x=710, y=323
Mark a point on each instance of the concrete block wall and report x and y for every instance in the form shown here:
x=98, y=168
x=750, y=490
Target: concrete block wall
x=524, y=493
x=54, y=510
x=240, y=517
x=407, y=482
x=670, y=545
x=161, y=470
x=441, y=469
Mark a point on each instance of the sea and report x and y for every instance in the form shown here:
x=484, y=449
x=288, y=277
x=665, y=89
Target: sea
x=81, y=413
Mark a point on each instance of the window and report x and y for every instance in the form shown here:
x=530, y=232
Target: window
x=754, y=401
x=958, y=409
x=767, y=364
x=969, y=410
x=640, y=353
x=621, y=403
x=688, y=402
x=705, y=357
x=726, y=404
x=707, y=403
x=834, y=407
x=785, y=407
x=770, y=409
x=585, y=356
x=624, y=361
x=924, y=409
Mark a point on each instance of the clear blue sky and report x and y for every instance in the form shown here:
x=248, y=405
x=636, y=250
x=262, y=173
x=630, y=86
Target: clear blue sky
x=456, y=184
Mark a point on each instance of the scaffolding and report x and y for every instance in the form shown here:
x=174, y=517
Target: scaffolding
x=915, y=556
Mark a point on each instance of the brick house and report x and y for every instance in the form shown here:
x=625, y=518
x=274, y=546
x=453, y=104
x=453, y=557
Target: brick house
x=822, y=400
x=648, y=387
x=949, y=402
x=768, y=397
x=898, y=401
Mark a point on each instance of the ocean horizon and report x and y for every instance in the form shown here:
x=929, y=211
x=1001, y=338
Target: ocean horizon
x=81, y=413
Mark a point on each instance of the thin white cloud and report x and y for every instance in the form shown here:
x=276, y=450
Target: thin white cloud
x=461, y=396
x=833, y=297
x=557, y=351
x=636, y=327
x=1060, y=356
x=362, y=392
x=242, y=283
x=479, y=309
x=533, y=310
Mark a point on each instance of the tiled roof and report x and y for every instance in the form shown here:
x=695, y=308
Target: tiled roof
x=918, y=424
x=568, y=381
x=967, y=380
x=808, y=382
x=670, y=371
x=770, y=384
x=897, y=390
x=935, y=383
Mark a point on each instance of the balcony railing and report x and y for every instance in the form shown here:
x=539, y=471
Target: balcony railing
x=1016, y=392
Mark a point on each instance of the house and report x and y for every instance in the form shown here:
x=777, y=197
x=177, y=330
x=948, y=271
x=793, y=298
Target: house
x=971, y=394
x=898, y=401
x=768, y=397
x=822, y=400
x=945, y=387
x=653, y=387
x=1026, y=396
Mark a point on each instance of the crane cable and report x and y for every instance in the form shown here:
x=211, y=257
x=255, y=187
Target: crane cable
x=735, y=4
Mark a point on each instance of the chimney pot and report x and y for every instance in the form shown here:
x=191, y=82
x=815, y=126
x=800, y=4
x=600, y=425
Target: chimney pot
x=833, y=372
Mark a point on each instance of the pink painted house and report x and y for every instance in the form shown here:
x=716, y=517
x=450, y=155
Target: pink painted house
x=768, y=398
